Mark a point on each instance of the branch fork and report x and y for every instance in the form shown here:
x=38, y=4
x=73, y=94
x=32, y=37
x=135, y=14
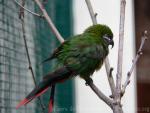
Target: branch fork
x=29, y=11
x=103, y=97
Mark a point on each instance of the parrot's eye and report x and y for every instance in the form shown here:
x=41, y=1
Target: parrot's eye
x=106, y=37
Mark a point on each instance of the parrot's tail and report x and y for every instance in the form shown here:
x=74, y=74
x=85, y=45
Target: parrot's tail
x=59, y=75
x=51, y=101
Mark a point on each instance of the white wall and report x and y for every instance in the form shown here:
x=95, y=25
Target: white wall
x=108, y=13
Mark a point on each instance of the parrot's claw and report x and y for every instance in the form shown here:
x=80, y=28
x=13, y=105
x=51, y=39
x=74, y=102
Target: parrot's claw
x=88, y=81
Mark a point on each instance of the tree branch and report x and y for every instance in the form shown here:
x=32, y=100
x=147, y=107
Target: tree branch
x=107, y=65
x=47, y=18
x=120, y=51
x=21, y=16
x=107, y=100
x=139, y=53
x=109, y=76
x=33, y=13
x=92, y=14
x=117, y=99
x=50, y=23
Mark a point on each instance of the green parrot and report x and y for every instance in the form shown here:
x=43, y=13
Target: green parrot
x=80, y=55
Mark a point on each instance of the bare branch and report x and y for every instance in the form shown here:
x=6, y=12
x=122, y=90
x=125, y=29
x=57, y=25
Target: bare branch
x=45, y=15
x=21, y=16
x=25, y=42
x=117, y=96
x=120, y=51
x=111, y=80
x=139, y=53
x=107, y=65
x=109, y=76
x=92, y=14
x=50, y=23
x=107, y=100
x=33, y=13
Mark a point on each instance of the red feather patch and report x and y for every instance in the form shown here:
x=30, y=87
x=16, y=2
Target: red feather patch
x=40, y=93
x=25, y=101
x=50, y=106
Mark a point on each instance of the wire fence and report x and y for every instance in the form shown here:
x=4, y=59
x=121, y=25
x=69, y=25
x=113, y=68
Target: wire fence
x=15, y=78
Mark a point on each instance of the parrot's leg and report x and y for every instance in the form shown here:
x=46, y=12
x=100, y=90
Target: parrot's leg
x=88, y=81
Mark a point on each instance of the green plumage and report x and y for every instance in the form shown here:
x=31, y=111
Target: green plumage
x=86, y=52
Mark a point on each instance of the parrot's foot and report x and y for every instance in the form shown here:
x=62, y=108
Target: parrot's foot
x=88, y=81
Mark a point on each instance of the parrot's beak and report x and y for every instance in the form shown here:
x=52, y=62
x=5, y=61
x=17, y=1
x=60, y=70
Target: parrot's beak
x=111, y=43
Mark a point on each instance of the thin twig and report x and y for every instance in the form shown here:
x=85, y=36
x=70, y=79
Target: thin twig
x=107, y=100
x=139, y=53
x=21, y=16
x=25, y=42
x=47, y=18
x=111, y=80
x=120, y=52
x=109, y=76
x=50, y=23
x=92, y=14
x=107, y=65
x=33, y=13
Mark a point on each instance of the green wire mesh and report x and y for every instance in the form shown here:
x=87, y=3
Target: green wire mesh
x=15, y=78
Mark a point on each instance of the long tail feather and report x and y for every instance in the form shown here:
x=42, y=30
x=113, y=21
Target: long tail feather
x=51, y=102
x=27, y=100
x=51, y=78
x=23, y=102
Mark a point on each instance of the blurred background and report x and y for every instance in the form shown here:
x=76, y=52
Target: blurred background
x=70, y=17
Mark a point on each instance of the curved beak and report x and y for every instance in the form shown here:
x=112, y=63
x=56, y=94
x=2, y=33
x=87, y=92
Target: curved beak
x=111, y=43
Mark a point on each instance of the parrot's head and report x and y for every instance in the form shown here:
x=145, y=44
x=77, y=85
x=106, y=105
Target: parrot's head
x=102, y=31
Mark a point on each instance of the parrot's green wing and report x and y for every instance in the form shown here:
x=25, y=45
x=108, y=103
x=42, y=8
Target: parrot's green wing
x=83, y=54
